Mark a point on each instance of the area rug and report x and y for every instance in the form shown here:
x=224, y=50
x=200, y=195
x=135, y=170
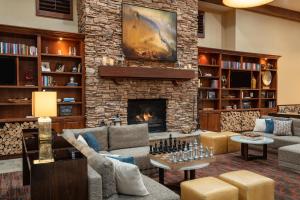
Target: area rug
x=287, y=182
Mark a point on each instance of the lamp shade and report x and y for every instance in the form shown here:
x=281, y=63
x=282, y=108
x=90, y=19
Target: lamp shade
x=44, y=104
x=245, y=3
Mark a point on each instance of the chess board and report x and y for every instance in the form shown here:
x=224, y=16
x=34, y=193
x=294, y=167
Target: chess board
x=164, y=159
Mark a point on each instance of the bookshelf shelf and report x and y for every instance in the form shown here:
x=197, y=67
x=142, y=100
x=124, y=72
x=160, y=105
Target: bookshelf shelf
x=22, y=69
x=236, y=70
x=62, y=73
x=17, y=55
x=60, y=56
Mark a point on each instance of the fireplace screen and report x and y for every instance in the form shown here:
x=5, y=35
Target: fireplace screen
x=151, y=111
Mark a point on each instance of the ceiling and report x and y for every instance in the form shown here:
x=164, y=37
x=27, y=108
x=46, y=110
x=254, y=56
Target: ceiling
x=287, y=4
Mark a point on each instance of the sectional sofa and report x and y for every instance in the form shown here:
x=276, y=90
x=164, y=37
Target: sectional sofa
x=129, y=140
x=288, y=147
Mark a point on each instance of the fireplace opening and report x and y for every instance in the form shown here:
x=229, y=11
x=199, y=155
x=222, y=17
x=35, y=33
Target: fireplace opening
x=151, y=111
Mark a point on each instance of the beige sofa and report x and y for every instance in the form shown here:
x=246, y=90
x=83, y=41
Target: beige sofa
x=129, y=140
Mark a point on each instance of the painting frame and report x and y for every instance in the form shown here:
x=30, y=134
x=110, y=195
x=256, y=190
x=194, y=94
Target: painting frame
x=137, y=58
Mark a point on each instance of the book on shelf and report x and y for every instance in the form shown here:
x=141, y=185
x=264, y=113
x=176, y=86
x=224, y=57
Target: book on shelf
x=47, y=81
x=17, y=49
x=69, y=99
x=237, y=65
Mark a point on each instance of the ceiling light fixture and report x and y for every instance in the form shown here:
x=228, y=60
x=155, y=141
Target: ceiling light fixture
x=245, y=3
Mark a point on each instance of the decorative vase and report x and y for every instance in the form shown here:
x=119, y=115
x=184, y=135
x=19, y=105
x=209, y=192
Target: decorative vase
x=253, y=82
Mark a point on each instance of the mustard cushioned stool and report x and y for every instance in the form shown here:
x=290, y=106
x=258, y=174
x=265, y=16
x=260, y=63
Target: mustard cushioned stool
x=217, y=141
x=231, y=145
x=208, y=188
x=251, y=186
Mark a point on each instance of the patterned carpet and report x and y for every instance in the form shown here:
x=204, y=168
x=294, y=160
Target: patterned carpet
x=287, y=182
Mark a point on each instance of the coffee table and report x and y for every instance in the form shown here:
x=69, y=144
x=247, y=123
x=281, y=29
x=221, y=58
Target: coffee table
x=189, y=167
x=245, y=143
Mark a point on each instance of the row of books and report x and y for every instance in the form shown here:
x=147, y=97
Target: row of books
x=47, y=81
x=230, y=64
x=238, y=65
x=271, y=104
x=17, y=49
x=251, y=66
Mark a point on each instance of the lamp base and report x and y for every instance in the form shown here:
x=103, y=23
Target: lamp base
x=45, y=141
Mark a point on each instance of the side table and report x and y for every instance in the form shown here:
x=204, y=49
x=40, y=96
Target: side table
x=65, y=178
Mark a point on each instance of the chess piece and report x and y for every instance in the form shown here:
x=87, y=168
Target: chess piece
x=201, y=152
x=211, y=154
x=188, y=146
x=175, y=157
x=170, y=140
x=191, y=152
x=171, y=156
x=180, y=159
x=160, y=146
x=207, y=153
x=151, y=149
x=155, y=148
x=185, y=154
x=179, y=145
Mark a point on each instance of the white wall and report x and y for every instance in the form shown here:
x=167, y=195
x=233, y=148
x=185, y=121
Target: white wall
x=22, y=13
x=265, y=34
x=213, y=31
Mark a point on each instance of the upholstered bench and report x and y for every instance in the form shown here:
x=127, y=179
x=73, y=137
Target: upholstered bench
x=251, y=186
x=215, y=140
x=289, y=157
x=208, y=188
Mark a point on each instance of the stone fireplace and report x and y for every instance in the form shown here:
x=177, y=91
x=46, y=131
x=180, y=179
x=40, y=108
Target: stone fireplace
x=151, y=111
x=101, y=22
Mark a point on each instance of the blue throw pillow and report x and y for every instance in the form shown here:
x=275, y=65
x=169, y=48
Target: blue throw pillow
x=126, y=159
x=92, y=141
x=269, y=126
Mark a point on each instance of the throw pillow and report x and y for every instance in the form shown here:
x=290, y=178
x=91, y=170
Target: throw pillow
x=282, y=128
x=81, y=139
x=269, y=126
x=260, y=125
x=126, y=159
x=129, y=179
x=92, y=141
x=105, y=168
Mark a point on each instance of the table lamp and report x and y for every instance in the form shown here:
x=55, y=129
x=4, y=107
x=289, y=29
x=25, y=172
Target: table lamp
x=44, y=106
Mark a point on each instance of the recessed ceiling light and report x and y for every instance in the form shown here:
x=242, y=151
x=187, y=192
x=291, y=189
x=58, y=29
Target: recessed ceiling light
x=245, y=3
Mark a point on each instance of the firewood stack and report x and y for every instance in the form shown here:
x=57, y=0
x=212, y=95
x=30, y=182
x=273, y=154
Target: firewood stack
x=11, y=137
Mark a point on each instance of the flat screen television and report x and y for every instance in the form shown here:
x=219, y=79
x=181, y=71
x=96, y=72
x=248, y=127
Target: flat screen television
x=240, y=80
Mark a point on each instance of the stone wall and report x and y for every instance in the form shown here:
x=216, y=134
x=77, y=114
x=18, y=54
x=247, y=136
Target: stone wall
x=101, y=21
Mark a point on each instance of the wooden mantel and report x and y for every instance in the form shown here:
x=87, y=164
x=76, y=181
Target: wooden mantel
x=115, y=72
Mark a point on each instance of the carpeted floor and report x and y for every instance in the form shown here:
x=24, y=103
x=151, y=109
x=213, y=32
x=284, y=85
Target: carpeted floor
x=287, y=182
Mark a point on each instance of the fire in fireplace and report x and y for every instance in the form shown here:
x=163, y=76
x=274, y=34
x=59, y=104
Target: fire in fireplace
x=151, y=111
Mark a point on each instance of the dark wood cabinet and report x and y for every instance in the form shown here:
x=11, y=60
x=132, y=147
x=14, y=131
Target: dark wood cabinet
x=210, y=121
x=65, y=178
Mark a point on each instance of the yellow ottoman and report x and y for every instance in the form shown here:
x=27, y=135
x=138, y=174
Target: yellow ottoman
x=208, y=188
x=251, y=186
x=215, y=140
x=231, y=145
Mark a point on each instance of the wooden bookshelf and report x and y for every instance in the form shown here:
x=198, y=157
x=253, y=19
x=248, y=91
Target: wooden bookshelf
x=226, y=83
x=22, y=73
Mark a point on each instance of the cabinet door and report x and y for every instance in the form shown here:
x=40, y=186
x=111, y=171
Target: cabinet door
x=57, y=126
x=213, y=122
x=203, y=121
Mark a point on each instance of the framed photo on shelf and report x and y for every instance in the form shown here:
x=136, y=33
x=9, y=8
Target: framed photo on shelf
x=60, y=67
x=211, y=95
x=46, y=67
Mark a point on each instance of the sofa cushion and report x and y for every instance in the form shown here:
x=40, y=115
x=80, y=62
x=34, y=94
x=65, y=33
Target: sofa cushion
x=128, y=136
x=125, y=159
x=269, y=126
x=105, y=168
x=290, y=154
x=282, y=127
x=129, y=179
x=156, y=190
x=94, y=184
x=92, y=141
x=101, y=134
x=296, y=127
x=140, y=155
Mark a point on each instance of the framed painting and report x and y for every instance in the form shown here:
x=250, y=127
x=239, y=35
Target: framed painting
x=149, y=34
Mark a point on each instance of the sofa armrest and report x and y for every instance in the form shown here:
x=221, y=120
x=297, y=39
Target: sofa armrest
x=94, y=184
